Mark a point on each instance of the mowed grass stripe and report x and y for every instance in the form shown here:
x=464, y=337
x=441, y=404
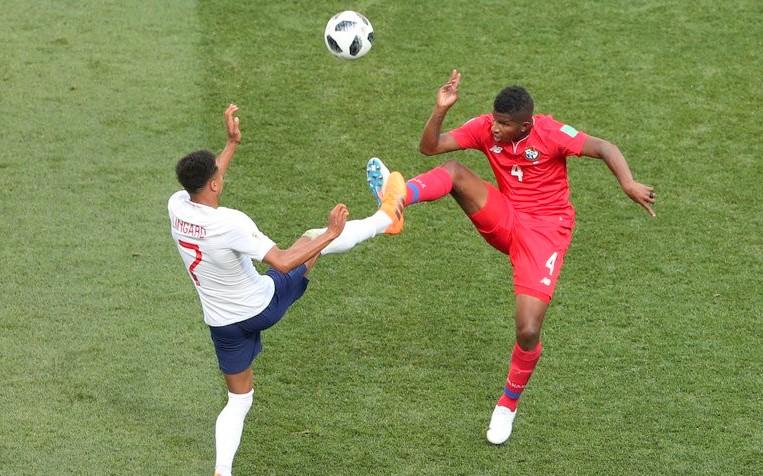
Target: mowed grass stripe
x=98, y=98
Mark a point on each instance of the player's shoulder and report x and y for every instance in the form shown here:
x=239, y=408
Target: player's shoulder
x=482, y=120
x=476, y=129
x=177, y=199
x=477, y=121
x=548, y=125
x=234, y=217
x=546, y=122
x=179, y=196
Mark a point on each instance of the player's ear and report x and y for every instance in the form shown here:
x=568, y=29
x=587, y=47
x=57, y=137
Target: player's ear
x=214, y=184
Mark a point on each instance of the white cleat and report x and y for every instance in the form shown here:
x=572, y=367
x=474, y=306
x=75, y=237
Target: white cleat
x=501, y=423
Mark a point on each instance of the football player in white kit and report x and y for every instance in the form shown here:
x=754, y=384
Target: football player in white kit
x=218, y=244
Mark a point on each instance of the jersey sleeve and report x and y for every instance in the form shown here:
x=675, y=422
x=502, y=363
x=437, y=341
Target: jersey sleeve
x=567, y=139
x=246, y=238
x=470, y=134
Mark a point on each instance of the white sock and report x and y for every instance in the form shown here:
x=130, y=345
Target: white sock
x=228, y=429
x=357, y=231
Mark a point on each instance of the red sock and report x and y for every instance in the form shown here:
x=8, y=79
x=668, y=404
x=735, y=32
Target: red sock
x=428, y=186
x=521, y=368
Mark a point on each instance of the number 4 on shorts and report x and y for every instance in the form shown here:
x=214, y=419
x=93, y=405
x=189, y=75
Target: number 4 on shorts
x=551, y=263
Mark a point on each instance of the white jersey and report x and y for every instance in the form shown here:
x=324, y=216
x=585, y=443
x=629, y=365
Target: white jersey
x=217, y=246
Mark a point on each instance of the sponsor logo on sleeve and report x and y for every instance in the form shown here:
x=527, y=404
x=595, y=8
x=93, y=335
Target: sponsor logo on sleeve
x=569, y=130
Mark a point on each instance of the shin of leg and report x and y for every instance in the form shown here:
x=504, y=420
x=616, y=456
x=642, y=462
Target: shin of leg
x=529, y=321
x=526, y=352
x=228, y=430
x=358, y=231
x=230, y=422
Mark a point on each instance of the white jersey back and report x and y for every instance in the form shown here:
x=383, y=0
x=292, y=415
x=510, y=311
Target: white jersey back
x=217, y=246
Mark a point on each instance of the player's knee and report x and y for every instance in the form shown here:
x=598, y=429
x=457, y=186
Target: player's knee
x=460, y=174
x=454, y=168
x=528, y=336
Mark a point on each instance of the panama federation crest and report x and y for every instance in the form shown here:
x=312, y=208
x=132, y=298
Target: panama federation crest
x=532, y=154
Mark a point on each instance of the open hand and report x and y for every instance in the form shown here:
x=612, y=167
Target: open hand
x=641, y=194
x=337, y=219
x=232, y=123
x=447, y=95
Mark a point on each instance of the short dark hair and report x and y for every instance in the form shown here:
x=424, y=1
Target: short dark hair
x=513, y=100
x=195, y=169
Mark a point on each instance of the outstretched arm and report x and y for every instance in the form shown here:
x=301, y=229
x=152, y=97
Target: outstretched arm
x=234, y=138
x=611, y=155
x=433, y=141
x=302, y=250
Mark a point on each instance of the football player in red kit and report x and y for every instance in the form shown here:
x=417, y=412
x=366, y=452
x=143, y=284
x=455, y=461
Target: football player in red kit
x=527, y=216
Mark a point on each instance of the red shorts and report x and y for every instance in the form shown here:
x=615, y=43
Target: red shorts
x=536, y=244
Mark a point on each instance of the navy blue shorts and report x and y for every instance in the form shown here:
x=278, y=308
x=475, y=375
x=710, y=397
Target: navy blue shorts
x=236, y=345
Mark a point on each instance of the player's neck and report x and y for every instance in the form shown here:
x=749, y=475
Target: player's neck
x=526, y=134
x=521, y=138
x=206, y=199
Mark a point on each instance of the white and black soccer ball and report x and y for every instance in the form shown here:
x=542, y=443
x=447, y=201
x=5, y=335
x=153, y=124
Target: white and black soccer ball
x=349, y=35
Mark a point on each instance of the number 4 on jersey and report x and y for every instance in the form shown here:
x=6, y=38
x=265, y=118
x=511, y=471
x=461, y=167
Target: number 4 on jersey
x=516, y=171
x=196, y=261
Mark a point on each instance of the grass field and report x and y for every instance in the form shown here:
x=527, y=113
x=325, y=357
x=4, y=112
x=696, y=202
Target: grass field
x=392, y=362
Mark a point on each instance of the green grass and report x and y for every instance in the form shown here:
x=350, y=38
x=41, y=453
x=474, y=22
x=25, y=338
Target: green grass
x=391, y=363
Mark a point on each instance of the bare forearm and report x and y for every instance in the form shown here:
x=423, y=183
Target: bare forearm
x=617, y=164
x=611, y=155
x=430, y=137
x=225, y=156
x=299, y=252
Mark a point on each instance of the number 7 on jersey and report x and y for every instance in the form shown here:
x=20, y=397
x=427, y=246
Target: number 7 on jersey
x=196, y=261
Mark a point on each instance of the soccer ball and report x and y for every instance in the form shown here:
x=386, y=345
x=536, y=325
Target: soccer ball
x=349, y=35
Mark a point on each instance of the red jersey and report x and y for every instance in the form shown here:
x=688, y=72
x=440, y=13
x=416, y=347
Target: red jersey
x=532, y=172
